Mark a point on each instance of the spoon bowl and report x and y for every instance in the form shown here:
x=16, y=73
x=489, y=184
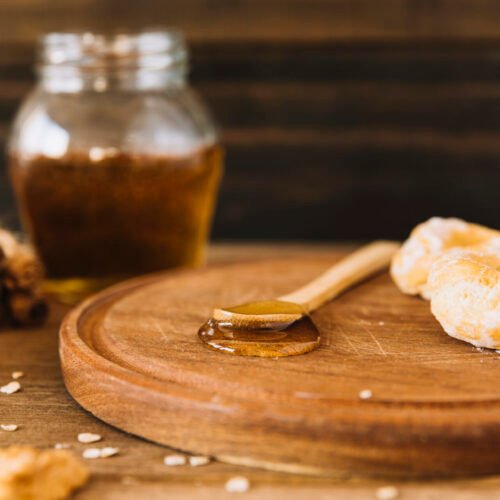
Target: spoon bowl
x=262, y=315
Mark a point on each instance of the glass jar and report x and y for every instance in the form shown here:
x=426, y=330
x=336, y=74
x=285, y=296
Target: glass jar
x=114, y=160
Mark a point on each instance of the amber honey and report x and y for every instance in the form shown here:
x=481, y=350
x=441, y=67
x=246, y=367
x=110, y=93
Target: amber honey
x=95, y=222
x=298, y=338
x=266, y=332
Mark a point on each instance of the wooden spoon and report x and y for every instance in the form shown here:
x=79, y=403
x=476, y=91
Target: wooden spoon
x=279, y=313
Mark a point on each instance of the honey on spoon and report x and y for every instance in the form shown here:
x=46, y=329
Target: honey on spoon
x=282, y=327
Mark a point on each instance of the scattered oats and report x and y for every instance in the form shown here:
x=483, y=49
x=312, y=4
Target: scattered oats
x=381, y=323
x=174, y=460
x=387, y=493
x=109, y=452
x=238, y=484
x=100, y=452
x=10, y=388
x=91, y=453
x=88, y=437
x=9, y=427
x=62, y=446
x=16, y=375
x=365, y=394
x=198, y=461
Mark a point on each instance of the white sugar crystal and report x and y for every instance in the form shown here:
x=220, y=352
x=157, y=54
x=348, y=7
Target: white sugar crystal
x=10, y=388
x=16, y=375
x=365, y=394
x=197, y=461
x=237, y=484
x=174, y=460
x=9, y=427
x=387, y=493
x=91, y=453
x=108, y=451
x=88, y=437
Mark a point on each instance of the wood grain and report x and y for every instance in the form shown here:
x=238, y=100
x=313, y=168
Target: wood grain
x=410, y=131
x=435, y=405
x=264, y=19
x=47, y=414
x=390, y=105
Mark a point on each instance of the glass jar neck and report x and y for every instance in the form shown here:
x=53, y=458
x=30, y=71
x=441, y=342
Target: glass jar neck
x=148, y=60
x=72, y=80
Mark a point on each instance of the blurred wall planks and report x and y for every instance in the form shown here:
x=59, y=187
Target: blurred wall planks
x=341, y=119
x=270, y=20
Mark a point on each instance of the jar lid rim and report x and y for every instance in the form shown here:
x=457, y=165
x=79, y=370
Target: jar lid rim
x=159, y=47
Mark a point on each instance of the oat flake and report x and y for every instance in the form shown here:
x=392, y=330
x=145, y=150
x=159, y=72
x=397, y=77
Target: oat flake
x=91, y=453
x=109, y=452
x=9, y=427
x=387, y=493
x=237, y=484
x=10, y=388
x=197, y=461
x=174, y=460
x=62, y=446
x=88, y=437
x=365, y=394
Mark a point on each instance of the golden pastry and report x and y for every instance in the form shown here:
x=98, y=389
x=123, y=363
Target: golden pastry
x=30, y=474
x=411, y=265
x=464, y=286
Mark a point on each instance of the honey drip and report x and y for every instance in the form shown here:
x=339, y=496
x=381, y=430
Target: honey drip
x=298, y=338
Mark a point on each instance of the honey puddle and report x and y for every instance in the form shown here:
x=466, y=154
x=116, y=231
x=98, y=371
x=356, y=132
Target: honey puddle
x=298, y=338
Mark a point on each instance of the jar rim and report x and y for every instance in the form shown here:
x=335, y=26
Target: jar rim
x=153, y=48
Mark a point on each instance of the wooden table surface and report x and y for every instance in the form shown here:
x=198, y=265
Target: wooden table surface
x=46, y=415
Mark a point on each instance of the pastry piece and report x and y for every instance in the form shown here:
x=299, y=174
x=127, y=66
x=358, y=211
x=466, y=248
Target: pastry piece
x=464, y=286
x=411, y=265
x=30, y=474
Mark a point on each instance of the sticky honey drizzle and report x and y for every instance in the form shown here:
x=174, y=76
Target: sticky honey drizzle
x=300, y=337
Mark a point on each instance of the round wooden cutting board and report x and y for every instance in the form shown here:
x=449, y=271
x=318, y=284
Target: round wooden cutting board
x=132, y=357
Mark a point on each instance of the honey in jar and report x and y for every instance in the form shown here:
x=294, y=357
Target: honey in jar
x=114, y=159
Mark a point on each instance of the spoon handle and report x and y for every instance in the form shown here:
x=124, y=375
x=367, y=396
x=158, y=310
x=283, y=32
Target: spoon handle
x=355, y=267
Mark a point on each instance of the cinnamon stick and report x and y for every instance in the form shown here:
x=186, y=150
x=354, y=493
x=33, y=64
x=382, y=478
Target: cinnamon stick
x=20, y=276
x=8, y=243
x=25, y=308
x=23, y=269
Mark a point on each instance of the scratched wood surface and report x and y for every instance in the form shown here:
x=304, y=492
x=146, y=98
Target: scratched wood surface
x=131, y=356
x=47, y=414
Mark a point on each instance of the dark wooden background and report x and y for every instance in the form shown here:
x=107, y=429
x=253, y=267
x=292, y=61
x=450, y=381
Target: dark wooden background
x=342, y=119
